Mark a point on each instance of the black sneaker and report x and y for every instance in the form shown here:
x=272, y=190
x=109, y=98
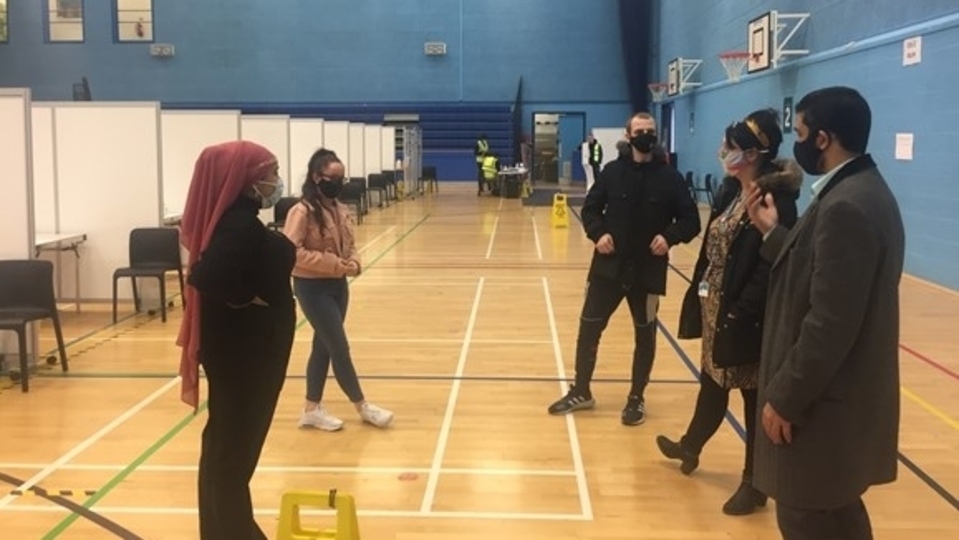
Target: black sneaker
x=574, y=400
x=634, y=413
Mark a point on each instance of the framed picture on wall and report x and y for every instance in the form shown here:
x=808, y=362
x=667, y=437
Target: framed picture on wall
x=69, y=9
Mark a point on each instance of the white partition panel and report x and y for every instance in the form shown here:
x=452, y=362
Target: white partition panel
x=306, y=136
x=44, y=169
x=273, y=132
x=608, y=137
x=16, y=184
x=372, y=142
x=357, y=164
x=108, y=183
x=336, y=137
x=387, y=148
x=184, y=135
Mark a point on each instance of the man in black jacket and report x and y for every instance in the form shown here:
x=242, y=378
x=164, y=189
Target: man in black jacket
x=637, y=209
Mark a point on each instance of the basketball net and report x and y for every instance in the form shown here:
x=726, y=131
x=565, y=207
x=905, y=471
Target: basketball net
x=658, y=90
x=734, y=62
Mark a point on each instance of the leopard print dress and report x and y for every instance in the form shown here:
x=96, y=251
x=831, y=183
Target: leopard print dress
x=719, y=238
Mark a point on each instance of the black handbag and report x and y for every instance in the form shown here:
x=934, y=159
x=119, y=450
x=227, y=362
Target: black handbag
x=691, y=316
x=738, y=342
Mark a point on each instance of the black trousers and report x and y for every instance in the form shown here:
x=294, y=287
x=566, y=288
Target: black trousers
x=480, y=177
x=602, y=299
x=711, y=405
x=851, y=522
x=243, y=392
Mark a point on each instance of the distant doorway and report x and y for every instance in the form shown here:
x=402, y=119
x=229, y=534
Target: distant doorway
x=557, y=137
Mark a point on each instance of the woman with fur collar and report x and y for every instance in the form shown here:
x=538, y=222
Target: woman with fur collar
x=726, y=300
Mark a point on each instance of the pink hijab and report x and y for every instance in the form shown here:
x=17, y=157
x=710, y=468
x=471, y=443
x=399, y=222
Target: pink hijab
x=221, y=174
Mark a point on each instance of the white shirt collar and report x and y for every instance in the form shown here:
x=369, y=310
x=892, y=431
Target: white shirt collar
x=824, y=179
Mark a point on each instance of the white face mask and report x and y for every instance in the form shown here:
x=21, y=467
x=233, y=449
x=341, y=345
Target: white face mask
x=731, y=160
x=269, y=202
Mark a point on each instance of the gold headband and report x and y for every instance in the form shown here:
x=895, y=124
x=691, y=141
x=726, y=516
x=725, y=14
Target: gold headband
x=760, y=136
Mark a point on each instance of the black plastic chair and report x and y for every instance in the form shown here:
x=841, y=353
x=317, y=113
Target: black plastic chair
x=26, y=295
x=353, y=195
x=153, y=253
x=429, y=181
x=280, y=210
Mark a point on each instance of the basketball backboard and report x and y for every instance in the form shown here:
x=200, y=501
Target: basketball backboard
x=672, y=82
x=760, y=37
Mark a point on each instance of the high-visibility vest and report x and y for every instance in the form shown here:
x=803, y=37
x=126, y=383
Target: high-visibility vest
x=490, y=167
x=596, y=150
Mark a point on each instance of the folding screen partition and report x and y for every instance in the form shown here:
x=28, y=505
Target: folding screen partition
x=356, y=165
x=306, y=137
x=273, y=132
x=372, y=142
x=16, y=184
x=108, y=182
x=184, y=136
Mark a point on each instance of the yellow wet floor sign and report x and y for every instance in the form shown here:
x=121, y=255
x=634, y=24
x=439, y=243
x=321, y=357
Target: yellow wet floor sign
x=559, y=217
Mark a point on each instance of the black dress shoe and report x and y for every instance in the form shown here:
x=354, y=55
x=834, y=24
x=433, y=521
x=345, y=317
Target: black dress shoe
x=675, y=450
x=745, y=501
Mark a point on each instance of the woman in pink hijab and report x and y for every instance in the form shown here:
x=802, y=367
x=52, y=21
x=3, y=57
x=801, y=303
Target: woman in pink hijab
x=239, y=324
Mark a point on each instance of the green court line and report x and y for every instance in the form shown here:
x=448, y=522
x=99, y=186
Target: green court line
x=127, y=471
x=168, y=436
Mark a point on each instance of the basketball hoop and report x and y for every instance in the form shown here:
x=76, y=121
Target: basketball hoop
x=734, y=62
x=658, y=90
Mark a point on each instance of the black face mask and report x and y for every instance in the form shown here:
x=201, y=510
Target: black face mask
x=330, y=188
x=643, y=143
x=807, y=154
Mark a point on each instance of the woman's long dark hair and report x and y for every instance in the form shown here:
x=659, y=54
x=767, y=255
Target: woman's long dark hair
x=311, y=192
x=760, y=130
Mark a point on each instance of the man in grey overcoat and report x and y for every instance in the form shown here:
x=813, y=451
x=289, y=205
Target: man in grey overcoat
x=829, y=375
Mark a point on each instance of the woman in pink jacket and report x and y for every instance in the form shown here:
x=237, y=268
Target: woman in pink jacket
x=320, y=228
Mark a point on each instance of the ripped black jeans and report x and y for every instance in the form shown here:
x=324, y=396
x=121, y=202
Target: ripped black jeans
x=602, y=299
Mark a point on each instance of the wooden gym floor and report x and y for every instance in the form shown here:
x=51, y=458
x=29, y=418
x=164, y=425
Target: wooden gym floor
x=464, y=324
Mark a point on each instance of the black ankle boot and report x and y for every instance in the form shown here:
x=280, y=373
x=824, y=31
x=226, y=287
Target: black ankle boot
x=745, y=501
x=675, y=450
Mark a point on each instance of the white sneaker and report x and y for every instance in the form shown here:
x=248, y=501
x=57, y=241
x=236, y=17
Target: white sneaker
x=377, y=416
x=320, y=419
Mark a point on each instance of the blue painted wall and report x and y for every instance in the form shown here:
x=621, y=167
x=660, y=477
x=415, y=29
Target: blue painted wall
x=240, y=53
x=333, y=51
x=850, y=45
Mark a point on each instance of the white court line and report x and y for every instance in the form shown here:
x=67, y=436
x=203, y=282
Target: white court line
x=492, y=238
x=539, y=249
x=584, y=499
x=444, y=436
x=376, y=239
x=167, y=511
x=304, y=469
x=500, y=207
x=90, y=441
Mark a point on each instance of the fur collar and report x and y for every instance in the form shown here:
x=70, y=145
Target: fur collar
x=788, y=178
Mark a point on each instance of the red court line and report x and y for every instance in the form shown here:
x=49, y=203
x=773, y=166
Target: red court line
x=931, y=362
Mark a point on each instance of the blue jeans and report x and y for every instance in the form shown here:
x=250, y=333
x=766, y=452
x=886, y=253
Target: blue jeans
x=324, y=302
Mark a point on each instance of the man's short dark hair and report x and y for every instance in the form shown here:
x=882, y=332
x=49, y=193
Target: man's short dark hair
x=840, y=111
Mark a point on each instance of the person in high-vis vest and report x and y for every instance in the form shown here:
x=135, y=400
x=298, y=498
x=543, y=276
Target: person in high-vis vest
x=490, y=168
x=479, y=152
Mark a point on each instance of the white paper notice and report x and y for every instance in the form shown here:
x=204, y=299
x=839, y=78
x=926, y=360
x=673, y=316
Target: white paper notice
x=904, y=146
x=912, y=51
